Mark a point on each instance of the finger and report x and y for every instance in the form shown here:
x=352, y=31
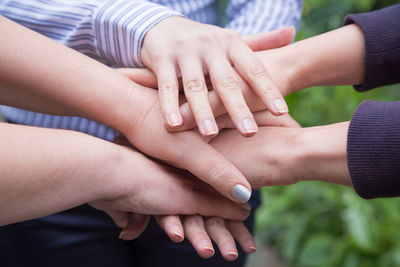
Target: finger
x=197, y=96
x=137, y=223
x=196, y=234
x=263, y=118
x=218, y=232
x=168, y=92
x=242, y=235
x=205, y=203
x=217, y=106
x=120, y=218
x=253, y=71
x=212, y=168
x=172, y=226
x=144, y=77
x=270, y=40
x=226, y=84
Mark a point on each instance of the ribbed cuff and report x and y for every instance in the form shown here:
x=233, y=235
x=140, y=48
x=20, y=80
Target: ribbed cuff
x=373, y=149
x=382, y=43
x=120, y=27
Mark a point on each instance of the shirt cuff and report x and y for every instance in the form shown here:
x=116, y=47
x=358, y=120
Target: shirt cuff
x=373, y=149
x=381, y=30
x=120, y=27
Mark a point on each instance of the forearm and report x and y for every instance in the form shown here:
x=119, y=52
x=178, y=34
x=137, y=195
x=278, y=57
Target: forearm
x=40, y=75
x=45, y=171
x=332, y=58
x=321, y=154
x=284, y=156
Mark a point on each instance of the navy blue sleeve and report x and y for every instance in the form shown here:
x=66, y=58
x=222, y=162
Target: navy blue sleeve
x=382, y=44
x=373, y=142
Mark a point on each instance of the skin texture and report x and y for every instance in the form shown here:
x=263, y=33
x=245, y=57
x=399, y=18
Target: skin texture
x=284, y=156
x=63, y=169
x=79, y=86
x=332, y=58
x=192, y=50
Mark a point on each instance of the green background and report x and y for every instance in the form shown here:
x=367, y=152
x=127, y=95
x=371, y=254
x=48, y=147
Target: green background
x=316, y=224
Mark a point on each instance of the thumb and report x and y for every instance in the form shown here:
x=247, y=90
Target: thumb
x=270, y=40
x=143, y=77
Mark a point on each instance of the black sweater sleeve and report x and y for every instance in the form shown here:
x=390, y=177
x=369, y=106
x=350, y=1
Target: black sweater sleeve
x=373, y=143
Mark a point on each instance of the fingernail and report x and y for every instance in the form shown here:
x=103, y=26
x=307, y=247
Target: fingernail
x=177, y=232
x=252, y=245
x=280, y=106
x=249, y=126
x=209, y=127
x=206, y=245
x=241, y=193
x=122, y=235
x=174, y=119
x=231, y=250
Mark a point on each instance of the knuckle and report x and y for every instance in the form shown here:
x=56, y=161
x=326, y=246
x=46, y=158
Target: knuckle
x=195, y=86
x=256, y=69
x=181, y=40
x=229, y=83
x=219, y=174
x=167, y=88
x=231, y=34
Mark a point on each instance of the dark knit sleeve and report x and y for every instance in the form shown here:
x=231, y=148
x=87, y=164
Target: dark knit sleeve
x=382, y=43
x=373, y=149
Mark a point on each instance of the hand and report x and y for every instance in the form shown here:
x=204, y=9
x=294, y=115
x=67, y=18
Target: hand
x=139, y=185
x=199, y=231
x=142, y=125
x=284, y=156
x=180, y=46
x=281, y=72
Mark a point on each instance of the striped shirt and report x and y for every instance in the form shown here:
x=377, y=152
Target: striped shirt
x=111, y=31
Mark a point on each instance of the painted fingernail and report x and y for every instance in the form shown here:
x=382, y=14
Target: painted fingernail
x=241, y=193
x=174, y=119
x=209, y=127
x=249, y=126
x=280, y=106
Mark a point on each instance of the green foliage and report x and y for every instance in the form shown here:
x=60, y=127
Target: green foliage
x=317, y=224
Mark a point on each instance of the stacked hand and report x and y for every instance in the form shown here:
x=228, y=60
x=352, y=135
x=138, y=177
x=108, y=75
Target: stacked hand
x=192, y=50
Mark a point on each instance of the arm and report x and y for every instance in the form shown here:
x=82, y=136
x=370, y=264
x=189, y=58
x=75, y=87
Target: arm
x=107, y=30
x=369, y=151
x=45, y=171
x=284, y=156
x=47, y=77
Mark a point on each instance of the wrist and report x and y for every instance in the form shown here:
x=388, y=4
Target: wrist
x=321, y=154
x=284, y=70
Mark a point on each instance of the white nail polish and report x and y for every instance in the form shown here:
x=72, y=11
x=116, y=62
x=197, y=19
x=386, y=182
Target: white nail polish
x=241, y=193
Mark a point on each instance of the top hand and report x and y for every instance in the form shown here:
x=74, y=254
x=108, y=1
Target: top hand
x=178, y=45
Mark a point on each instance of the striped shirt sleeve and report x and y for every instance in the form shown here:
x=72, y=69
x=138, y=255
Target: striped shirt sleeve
x=255, y=16
x=110, y=31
